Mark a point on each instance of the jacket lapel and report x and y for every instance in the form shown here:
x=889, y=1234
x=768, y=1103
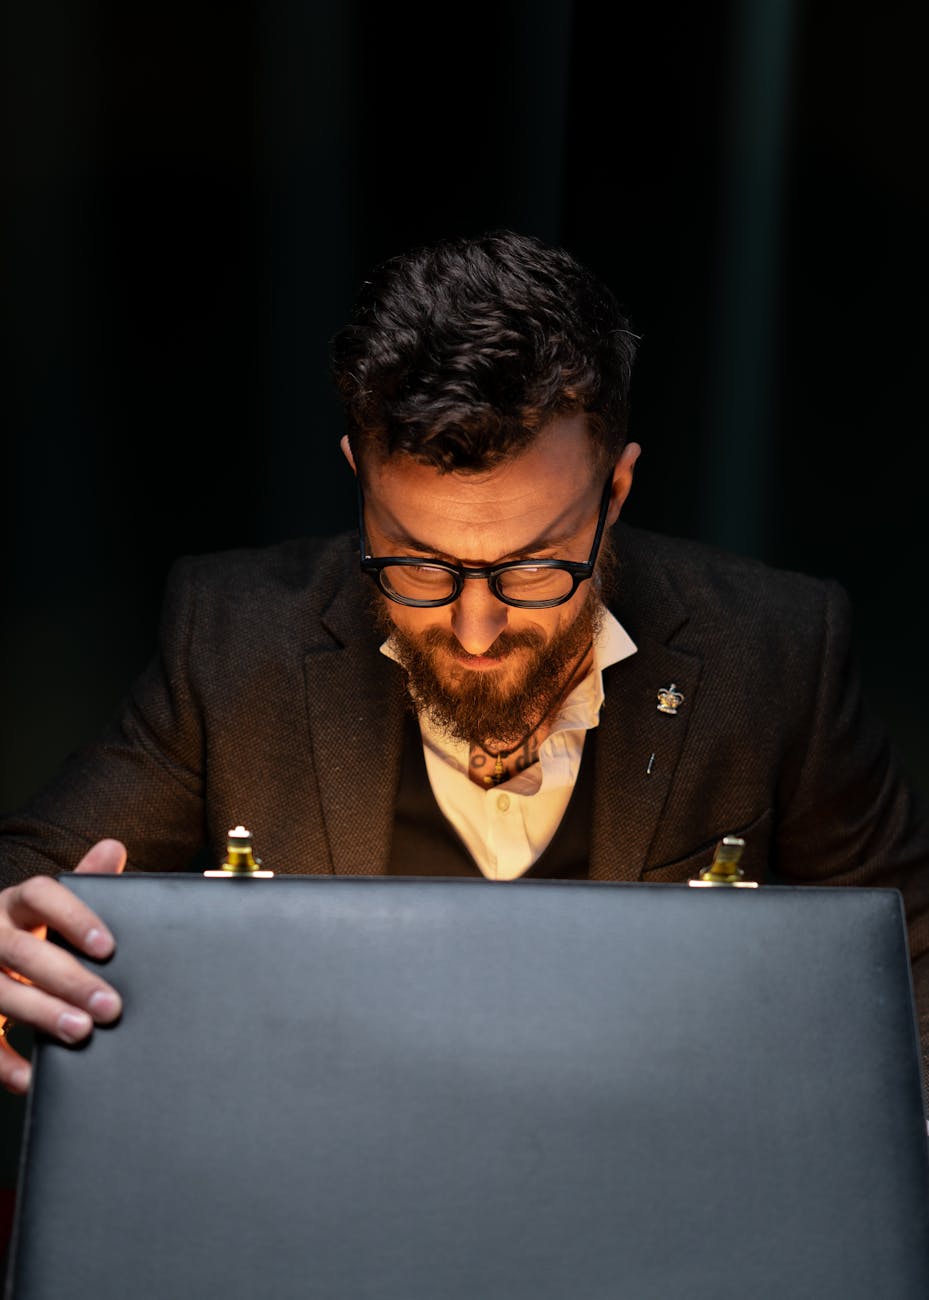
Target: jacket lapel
x=355, y=704
x=638, y=745
x=637, y=752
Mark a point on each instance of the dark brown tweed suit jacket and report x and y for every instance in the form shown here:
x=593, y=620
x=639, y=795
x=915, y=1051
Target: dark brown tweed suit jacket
x=269, y=704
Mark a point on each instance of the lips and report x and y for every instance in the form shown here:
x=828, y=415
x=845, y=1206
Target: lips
x=479, y=663
x=498, y=655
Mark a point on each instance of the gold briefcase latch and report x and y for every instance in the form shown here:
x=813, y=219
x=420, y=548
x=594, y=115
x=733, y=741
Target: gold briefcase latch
x=725, y=869
x=240, y=859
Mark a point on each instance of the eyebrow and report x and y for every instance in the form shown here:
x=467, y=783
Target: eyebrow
x=544, y=542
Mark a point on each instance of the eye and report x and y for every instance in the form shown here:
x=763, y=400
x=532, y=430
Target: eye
x=530, y=583
x=425, y=573
x=417, y=581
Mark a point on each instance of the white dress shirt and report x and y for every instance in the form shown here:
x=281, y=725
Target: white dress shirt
x=507, y=827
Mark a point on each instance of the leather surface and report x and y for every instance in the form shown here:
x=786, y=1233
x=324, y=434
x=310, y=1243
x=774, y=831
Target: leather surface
x=347, y=1088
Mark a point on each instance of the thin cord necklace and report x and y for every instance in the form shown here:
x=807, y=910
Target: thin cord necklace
x=498, y=755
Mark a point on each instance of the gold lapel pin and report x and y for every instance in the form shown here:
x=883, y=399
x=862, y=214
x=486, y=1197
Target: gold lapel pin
x=670, y=699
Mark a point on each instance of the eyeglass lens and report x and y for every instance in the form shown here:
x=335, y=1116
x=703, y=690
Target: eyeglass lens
x=429, y=582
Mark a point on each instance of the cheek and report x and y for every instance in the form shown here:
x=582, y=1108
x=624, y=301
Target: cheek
x=547, y=621
x=415, y=622
x=562, y=617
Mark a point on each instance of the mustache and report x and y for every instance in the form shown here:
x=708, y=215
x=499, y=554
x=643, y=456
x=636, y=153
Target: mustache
x=440, y=638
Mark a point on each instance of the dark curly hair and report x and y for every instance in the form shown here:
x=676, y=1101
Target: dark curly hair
x=457, y=354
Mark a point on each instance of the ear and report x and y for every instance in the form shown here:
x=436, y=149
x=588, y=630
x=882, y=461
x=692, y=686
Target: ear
x=622, y=480
x=347, y=452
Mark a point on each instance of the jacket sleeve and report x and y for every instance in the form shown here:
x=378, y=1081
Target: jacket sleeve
x=848, y=813
x=141, y=782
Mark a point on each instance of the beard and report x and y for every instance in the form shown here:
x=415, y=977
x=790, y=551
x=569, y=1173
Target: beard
x=505, y=705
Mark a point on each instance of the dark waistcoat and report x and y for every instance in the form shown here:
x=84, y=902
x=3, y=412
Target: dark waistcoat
x=426, y=844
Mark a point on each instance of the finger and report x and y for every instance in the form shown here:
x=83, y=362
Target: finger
x=41, y=901
x=53, y=971
x=25, y=1004
x=107, y=857
x=15, y=1071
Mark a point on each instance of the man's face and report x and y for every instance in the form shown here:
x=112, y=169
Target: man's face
x=487, y=671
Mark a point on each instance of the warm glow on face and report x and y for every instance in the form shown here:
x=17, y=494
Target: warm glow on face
x=543, y=503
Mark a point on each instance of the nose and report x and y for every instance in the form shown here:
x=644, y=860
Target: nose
x=478, y=617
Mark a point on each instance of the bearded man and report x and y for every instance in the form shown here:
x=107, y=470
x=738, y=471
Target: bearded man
x=506, y=686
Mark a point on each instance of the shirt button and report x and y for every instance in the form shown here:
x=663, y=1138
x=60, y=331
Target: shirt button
x=503, y=802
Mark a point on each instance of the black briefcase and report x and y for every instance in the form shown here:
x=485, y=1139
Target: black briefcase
x=347, y=1089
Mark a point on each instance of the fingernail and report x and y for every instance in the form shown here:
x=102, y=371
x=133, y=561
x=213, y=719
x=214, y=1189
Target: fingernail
x=73, y=1025
x=19, y=1079
x=104, y=1005
x=98, y=943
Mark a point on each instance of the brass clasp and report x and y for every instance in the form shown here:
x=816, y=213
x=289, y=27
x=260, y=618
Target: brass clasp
x=240, y=860
x=725, y=869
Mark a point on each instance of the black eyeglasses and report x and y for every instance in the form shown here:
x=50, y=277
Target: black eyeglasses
x=527, y=584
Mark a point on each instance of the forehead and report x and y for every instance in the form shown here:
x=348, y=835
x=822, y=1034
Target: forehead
x=544, y=491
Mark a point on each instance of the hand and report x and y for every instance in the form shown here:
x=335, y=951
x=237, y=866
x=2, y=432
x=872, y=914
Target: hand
x=42, y=985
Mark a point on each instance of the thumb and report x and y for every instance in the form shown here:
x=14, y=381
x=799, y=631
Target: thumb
x=106, y=858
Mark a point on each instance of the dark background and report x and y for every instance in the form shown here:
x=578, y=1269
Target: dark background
x=194, y=193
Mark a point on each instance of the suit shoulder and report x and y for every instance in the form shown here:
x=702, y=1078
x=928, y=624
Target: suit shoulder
x=306, y=568
x=713, y=585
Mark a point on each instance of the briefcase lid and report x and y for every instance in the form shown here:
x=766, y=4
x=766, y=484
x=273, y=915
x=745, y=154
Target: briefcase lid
x=352, y=1088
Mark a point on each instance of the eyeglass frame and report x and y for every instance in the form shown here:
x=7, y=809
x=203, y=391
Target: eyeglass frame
x=579, y=571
